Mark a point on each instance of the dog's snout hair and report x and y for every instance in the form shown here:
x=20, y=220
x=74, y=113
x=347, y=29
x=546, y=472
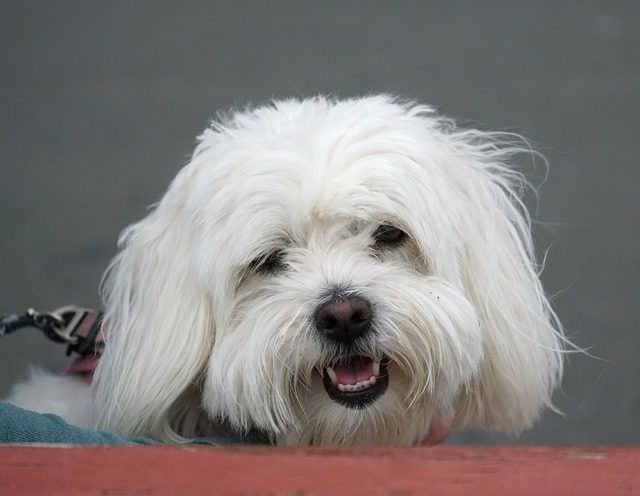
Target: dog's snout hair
x=344, y=319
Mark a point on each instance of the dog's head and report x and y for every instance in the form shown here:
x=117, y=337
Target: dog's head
x=331, y=272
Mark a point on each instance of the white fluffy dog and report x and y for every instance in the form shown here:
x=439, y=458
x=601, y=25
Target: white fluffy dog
x=324, y=272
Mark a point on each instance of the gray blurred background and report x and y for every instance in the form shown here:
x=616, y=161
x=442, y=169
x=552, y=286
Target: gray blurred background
x=100, y=103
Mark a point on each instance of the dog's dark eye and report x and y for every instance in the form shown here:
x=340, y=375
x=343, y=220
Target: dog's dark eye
x=268, y=263
x=387, y=235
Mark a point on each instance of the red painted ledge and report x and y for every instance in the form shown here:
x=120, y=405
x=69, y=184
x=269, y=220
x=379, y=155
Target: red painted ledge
x=188, y=470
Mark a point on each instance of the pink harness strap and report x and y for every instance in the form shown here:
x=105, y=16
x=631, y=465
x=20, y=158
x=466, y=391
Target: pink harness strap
x=92, y=348
x=85, y=366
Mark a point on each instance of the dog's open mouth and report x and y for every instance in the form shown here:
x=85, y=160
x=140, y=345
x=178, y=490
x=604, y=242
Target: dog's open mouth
x=356, y=382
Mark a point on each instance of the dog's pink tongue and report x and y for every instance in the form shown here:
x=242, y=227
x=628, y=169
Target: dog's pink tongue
x=354, y=371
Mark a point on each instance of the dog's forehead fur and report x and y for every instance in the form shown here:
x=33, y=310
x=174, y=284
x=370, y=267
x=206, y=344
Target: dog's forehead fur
x=296, y=168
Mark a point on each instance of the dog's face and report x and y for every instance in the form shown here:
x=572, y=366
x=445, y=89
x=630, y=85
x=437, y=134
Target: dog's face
x=331, y=272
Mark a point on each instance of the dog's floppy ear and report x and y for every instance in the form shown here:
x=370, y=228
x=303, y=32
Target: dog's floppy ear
x=522, y=338
x=157, y=324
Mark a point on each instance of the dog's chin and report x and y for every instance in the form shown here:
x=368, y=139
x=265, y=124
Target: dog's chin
x=355, y=382
x=340, y=406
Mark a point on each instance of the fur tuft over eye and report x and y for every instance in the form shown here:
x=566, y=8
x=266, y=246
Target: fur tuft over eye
x=268, y=263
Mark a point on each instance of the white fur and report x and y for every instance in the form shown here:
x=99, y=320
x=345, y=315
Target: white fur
x=197, y=338
x=67, y=396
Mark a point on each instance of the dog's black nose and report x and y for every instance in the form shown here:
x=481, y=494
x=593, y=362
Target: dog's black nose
x=344, y=319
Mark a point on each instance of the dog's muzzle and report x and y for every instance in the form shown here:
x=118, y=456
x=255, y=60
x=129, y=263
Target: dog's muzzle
x=355, y=381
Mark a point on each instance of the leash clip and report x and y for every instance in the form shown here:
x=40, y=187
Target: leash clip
x=61, y=324
x=68, y=321
x=77, y=327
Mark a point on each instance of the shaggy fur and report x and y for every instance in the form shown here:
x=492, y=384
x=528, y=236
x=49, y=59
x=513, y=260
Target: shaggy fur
x=200, y=335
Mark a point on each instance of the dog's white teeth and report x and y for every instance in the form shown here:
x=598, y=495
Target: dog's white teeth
x=358, y=386
x=332, y=375
x=376, y=368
